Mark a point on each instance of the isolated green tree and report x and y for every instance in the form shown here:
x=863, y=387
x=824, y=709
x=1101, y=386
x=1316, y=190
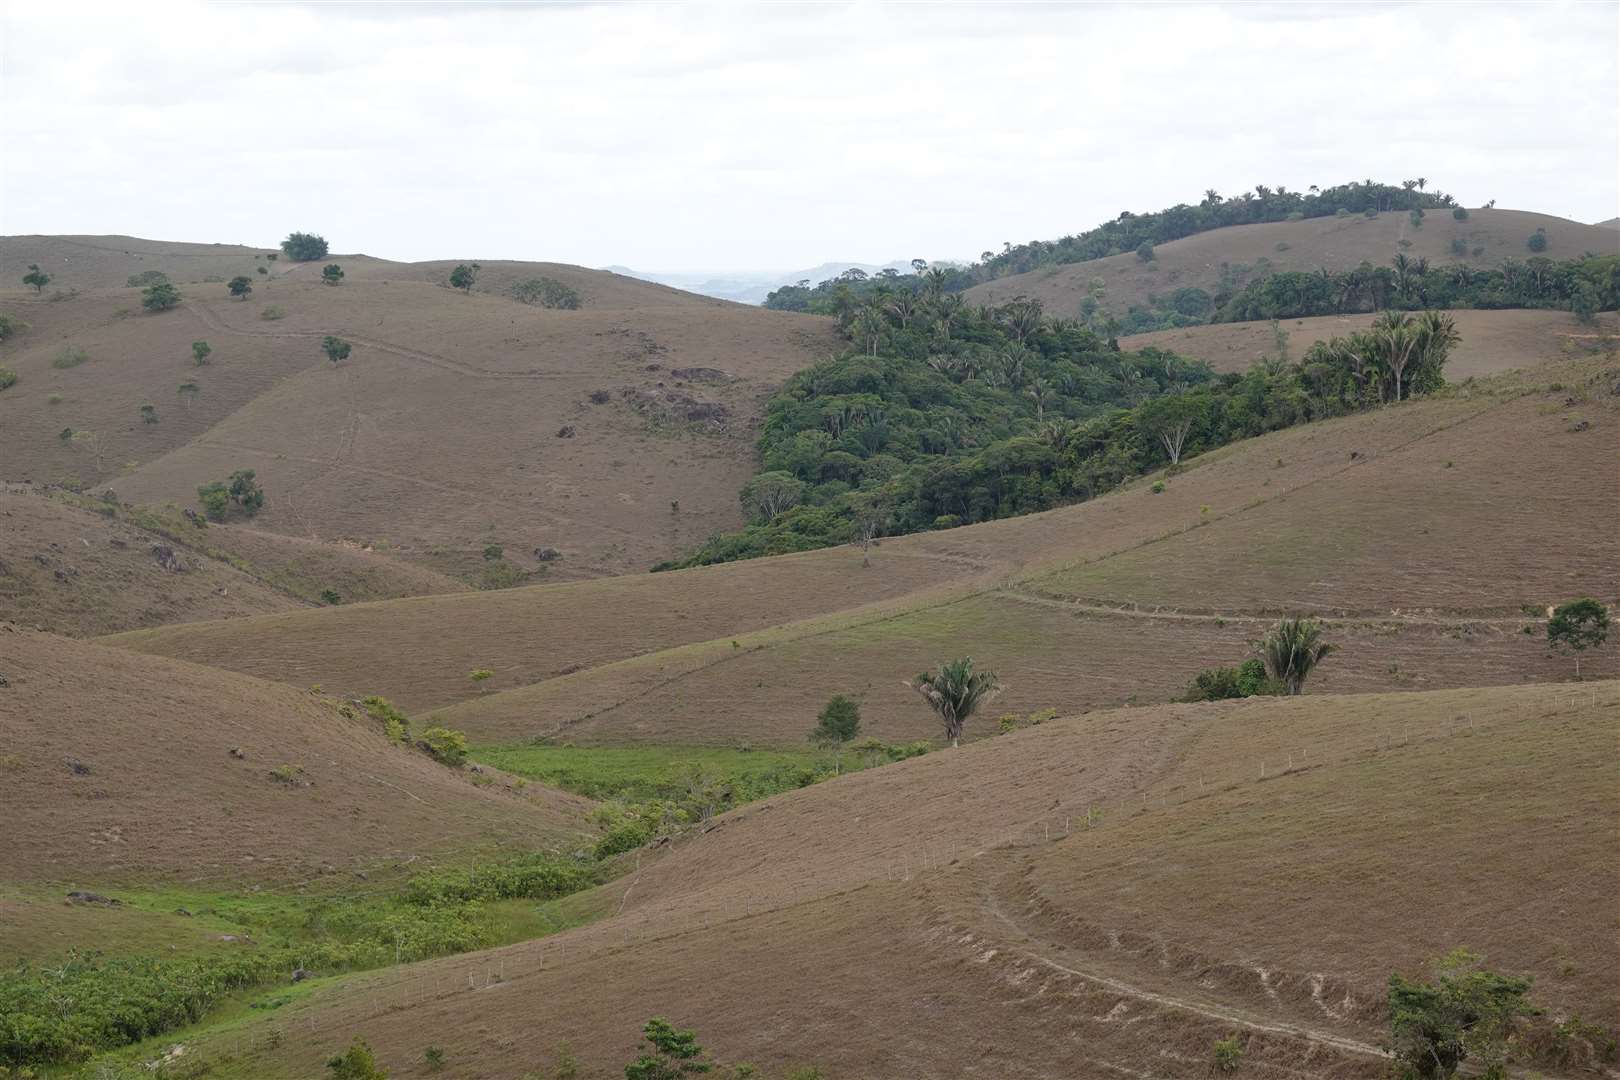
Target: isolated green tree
x=149, y=414
x=1144, y=251
x=1460, y=213
x=1577, y=626
x=200, y=351
x=955, y=692
x=670, y=1054
x=8, y=378
x=1291, y=650
x=246, y=492
x=1537, y=241
x=332, y=274
x=188, y=393
x=464, y=276
x=479, y=676
x=304, y=247
x=241, y=285
x=839, y=722
x=1465, y=1013
x=36, y=277
x=335, y=348
x=160, y=297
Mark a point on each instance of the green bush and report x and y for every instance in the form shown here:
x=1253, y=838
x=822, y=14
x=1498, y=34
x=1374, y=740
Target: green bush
x=546, y=292
x=160, y=297
x=8, y=377
x=530, y=877
x=271, y=313
x=1227, y=1054
x=356, y=1063
x=215, y=499
x=304, y=247
x=147, y=278
x=1460, y=213
x=444, y=745
x=1537, y=241
x=626, y=835
x=396, y=724
x=11, y=326
x=330, y=597
x=332, y=274
x=69, y=356
x=1465, y=1013
x=1248, y=679
x=1144, y=251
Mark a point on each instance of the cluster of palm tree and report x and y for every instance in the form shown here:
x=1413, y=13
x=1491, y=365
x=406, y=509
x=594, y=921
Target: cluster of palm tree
x=1401, y=352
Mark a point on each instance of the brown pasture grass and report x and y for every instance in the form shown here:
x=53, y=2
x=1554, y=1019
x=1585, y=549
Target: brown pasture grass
x=1334, y=243
x=956, y=915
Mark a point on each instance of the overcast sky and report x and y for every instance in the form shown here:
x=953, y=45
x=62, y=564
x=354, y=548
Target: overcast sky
x=747, y=136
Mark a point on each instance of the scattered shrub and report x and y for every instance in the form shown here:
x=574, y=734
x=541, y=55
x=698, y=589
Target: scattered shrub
x=545, y=292
x=1459, y=246
x=1248, y=679
x=271, y=313
x=332, y=274
x=1158, y=487
x=433, y=1058
x=493, y=552
x=146, y=278
x=1537, y=241
x=600, y=397
x=1282, y=245
x=69, y=356
x=304, y=247
x=291, y=775
x=241, y=285
x=1465, y=1013
x=396, y=724
x=1460, y=213
x=11, y=326
x=356, y=1063
x=1369, y=213
x=160, y=297
x=480, y=675
x=1227, y=1053
x=444, y=745
x=200, y=351
x=335, y=348
x=149, y=414
x=52, y=399
x=330, y=596
x=1144, y=251
x=8, y=378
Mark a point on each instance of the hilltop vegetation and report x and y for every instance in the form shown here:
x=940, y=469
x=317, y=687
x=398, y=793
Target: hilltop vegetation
x=944, y=415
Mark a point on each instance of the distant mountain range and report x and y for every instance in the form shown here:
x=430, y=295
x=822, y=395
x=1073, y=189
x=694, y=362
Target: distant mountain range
x=751, y=286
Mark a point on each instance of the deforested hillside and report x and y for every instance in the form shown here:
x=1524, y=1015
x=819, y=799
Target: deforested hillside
x=1232, y=256
x=1122, y=889
x=547, y=420
x=122, y=767
x=1435, y=536
x=1398, y=523
x=79, y=566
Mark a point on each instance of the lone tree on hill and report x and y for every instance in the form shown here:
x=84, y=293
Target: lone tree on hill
x=332, y=274
x=670, y=1054
x=955, y=693
x=1291, y=650
x=464, y=276
x=1466, y=1013
x=335, y=348
x=304, y=247
x=188, y=393
x=241, y=285
x=160, y=297
x=36, y=277
x=246, y=492
x=1577, y=626
x=839, y=722
x=200, y=351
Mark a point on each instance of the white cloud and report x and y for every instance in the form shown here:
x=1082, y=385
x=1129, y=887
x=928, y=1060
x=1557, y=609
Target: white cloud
x=733, y=135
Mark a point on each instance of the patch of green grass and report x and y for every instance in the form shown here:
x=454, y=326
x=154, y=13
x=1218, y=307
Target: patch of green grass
x=644, y=773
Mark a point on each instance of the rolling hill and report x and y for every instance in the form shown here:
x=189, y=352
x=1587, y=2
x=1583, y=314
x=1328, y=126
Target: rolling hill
x=1242, y=252
x=83, y=567
x=613, y=435
x=1108, y=894
x=127, y=768
x=1400, y=524
x=1492, y=341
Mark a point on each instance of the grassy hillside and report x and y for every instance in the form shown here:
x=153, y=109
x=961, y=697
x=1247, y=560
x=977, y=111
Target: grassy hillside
x=81, y=567
x=616, y=434
x=1401, y=523
x=1119, y=889
x=1492, y=341
x=128, y=768
x=1243, y=252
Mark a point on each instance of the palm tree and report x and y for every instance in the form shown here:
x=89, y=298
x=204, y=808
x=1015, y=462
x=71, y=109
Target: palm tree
x=955, y=693
x=1291, y=649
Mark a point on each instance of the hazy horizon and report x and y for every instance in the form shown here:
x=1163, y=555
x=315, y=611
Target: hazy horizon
x=726, y=138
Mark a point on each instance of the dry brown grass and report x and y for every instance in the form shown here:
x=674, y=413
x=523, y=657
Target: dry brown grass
x=882, y=925
x=1335, y=243
x=440, y=434
x=165, y=799
x=1492, y=341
